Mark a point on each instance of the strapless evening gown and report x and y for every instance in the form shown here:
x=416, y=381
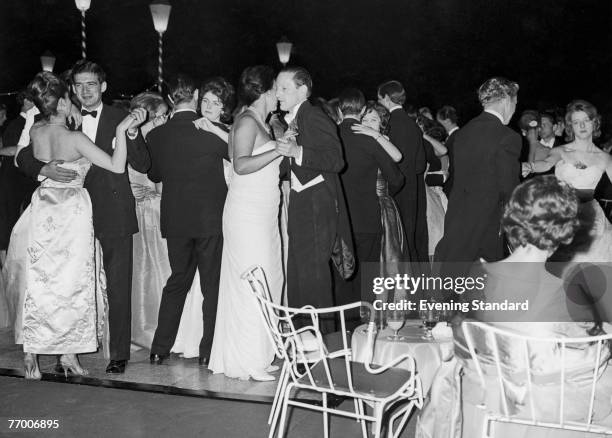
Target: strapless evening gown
x=241, y=347
x=54, y=270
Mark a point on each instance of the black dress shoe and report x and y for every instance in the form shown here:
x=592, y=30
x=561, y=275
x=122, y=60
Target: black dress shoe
x=158, y=358
x=116, y=367
x=202, y=360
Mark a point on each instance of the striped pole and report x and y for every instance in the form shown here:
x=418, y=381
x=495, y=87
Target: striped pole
x=160, y=61
x=83, y=36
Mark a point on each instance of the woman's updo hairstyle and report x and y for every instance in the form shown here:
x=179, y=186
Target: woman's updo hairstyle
x=543, y=212
x=255, y=81
x=46, y=89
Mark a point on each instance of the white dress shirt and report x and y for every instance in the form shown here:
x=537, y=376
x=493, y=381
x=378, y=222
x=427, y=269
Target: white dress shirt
x=548, y=143
x=90, y=123
x=295, y=182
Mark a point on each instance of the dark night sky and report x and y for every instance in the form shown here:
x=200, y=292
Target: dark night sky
x=440, y=49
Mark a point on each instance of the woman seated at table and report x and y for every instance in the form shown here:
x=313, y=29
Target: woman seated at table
x=541, y=215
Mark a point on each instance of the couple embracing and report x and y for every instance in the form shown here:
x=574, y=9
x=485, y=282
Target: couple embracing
x=239, y=346
x=251, y=234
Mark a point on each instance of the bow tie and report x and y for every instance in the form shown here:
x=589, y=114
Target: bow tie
x=93, y=114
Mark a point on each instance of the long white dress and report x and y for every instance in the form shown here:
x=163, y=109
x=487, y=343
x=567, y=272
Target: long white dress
x=241, y=347
x=52, y=267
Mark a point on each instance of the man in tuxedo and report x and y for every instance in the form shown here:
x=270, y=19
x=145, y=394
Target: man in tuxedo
x=189, y=163
x=16, y=188
x=486, y=171
x=363, y=156
x=447, y=117
x=316, y=204
x=408, y=138
x=114, y=214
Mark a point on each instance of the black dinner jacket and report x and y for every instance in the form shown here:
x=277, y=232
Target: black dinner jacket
x=113, y=205
x=321, y=148
x=364, y=156
x=408, y=138
x=189, y=162
x=487, y=170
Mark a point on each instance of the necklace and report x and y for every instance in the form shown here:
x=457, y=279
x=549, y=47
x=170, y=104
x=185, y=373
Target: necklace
x=57, y=124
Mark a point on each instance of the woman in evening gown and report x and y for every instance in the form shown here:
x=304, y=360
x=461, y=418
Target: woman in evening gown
x=393, y=245
x=241, y=347
x=59, y=271
x=581, y=164
x=151, y=267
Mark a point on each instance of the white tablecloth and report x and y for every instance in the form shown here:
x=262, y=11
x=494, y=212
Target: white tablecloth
x=428, y=354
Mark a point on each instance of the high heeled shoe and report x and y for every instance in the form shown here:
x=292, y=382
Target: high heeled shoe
x=30, y=362
x=70, y=363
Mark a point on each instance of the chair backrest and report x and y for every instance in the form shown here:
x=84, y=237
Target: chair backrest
x=301, y=344
x=525, y=367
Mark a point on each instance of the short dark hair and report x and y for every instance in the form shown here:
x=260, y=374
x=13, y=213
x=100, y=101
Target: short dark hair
x=352, y=102
x=21, y=97
x=543, y=212
x=255, y=81
x=589, y=109
x=548, y=115
x=85, y=66
x=224, y=91
x=182, y=88
x=448, y=112
x=496, y=89
x=395, y=91
x=46, y=90
x=300, y=77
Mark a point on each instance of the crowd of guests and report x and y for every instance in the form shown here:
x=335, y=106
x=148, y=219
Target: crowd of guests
x=146, y=217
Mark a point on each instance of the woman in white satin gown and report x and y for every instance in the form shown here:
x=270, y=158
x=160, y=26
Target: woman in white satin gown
x=56, y=233
x=241, y=347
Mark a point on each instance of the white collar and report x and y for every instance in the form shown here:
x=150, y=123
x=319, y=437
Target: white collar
x=548, y=143
x=394, y=108
x=183, y=110
x=23, y=114
x=496, y=114
x=290, y=116
x=452, y=130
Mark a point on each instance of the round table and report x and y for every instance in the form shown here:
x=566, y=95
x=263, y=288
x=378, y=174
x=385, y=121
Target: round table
x=428, y=354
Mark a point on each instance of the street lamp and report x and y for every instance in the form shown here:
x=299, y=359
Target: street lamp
x=160, y=12
x=83, y=6
x=283, y=47
x=47, y=61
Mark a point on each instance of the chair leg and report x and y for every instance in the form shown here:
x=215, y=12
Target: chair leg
x=356, y=403
x=281, y=428
x=276, y=409
x=377, y=425
x=325, y=417
x=280, y=390
x=278, y=394
x=404, y=413
x=364, y=426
